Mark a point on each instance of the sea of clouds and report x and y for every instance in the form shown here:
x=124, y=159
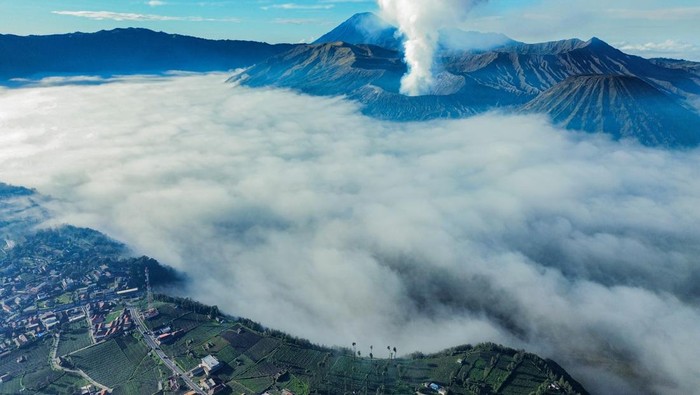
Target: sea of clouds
x=305, y=215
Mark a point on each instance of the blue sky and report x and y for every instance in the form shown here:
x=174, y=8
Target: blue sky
x=646, y=27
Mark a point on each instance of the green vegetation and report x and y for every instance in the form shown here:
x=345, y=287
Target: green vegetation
x=34, y=373
x=64, y=298
x=112, y=316
x=253, y=359
x=256, y=360
x=74, y=336
x=123, y=363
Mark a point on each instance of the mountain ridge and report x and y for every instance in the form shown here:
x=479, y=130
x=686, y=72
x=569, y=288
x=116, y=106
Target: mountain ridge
x=125, y=51
x=506, y=76
x=582, y=102
x=469, y=82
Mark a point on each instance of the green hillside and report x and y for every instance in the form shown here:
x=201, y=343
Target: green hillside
x=256, y=360
x=60, y=348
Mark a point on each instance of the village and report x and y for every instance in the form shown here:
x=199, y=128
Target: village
x=31, y=310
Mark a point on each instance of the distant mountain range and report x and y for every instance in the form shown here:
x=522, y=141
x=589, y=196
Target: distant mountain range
x=362, y=60
x=124, y=51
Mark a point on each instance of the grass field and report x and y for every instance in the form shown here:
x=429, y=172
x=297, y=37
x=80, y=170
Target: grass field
x=77, y=336
x=65, y=298
x=113, y=315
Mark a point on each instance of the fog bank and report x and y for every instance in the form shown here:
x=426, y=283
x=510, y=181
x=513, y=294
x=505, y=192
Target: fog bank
x=302, y=214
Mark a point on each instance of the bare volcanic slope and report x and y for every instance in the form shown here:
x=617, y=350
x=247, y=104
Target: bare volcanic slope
x=623, y=106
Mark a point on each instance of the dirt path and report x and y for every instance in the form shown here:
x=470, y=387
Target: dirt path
x=56, y=365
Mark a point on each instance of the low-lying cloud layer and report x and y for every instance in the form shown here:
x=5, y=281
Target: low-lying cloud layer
x=302, y=214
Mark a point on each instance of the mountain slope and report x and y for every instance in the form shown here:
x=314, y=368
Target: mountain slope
x=687, y=65
x=507, y=77
x=623, y=106
x=363, y=28
x=534, y=68
x=372, y=76
x=125, y=51
x=329, y=69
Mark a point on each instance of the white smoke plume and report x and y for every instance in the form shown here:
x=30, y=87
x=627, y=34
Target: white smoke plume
x=420, y=22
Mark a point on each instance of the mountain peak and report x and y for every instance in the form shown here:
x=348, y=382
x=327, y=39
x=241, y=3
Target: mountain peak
x=361, y=16
x=595, y=42
x=363, y=28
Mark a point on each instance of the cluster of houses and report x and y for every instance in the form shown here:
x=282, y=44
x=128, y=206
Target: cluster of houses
x=209, y=383
x=24, y=329
x=19, y=296
x=37, y=296
x=103, y=329
x=92, y=390
x=167, y=335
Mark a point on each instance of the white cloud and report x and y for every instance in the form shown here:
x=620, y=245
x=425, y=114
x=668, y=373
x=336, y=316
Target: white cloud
x=156, y=3
x=127, y=16
x=667, y=48
x=660, y=13
x=295, y=6
x=297, y=21
x=301, y=213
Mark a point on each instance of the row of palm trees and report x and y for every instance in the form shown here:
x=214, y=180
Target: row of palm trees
x=355, y=351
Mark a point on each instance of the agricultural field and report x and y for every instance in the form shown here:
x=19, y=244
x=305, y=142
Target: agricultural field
x=66, y=384
x=262, y=348
x=105, y=363
x=255, y=361
x=123, y=363
x=35, y=374
x=75, y=337
x=197, y=343
x=166, y=314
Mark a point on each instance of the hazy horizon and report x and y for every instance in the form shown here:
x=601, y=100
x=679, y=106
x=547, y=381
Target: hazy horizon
x=645, y=28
